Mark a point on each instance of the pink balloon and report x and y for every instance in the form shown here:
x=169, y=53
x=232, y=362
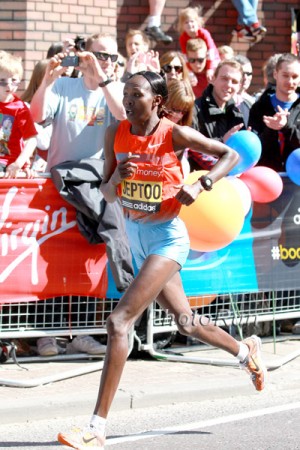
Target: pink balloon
x=264, y=183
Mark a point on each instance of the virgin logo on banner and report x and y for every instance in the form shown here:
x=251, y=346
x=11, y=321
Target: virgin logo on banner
x=42, y=253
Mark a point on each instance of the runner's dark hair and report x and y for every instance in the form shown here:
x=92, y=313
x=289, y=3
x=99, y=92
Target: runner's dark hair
x=158, y=86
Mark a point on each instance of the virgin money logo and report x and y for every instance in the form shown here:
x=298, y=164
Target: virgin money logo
x=24, y=239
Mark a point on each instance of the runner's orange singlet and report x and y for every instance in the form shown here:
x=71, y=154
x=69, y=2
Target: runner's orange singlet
x=150, y=194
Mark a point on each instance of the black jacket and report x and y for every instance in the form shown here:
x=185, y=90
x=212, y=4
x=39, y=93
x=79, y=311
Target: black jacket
x=78, y=183
x=271, y=154
x=212, y=121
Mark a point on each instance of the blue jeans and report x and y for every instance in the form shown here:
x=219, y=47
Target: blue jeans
x=247, y=11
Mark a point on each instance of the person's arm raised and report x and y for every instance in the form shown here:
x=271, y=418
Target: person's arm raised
x=38, y=102
x=113, y=90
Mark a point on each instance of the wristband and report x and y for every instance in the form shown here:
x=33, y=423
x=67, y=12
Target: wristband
x=105, y=83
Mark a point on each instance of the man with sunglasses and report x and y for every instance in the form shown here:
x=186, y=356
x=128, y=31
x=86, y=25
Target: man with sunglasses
x=80, y=108
x=196, y=52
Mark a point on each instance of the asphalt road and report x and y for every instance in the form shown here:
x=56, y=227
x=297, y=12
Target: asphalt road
x=173, y=406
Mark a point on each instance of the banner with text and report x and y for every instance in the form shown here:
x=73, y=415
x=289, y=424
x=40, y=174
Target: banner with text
x=42, y=253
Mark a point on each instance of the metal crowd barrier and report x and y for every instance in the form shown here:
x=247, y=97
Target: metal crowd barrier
x=76, y=315
x=236, y=313
x=57, y=316
x=72, y=315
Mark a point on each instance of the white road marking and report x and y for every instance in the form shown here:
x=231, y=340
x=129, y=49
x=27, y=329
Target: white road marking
x=203, y=424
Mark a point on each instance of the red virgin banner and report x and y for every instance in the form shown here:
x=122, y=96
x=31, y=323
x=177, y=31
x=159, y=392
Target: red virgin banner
x=42, y=253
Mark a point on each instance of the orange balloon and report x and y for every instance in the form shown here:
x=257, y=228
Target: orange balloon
x=215, y=218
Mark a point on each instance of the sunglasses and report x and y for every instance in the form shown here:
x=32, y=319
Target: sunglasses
x=193, y=60
x=168, y=68
x=249, y=74
x=4, y=83
x=102, y=56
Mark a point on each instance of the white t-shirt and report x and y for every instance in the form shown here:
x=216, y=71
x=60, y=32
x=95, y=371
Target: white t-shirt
x=80, y=118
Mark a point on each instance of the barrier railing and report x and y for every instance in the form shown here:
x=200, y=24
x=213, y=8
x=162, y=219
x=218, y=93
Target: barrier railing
x=49, y=286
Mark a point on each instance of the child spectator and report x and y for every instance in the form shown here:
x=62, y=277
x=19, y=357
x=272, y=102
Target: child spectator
x=139, y=55
x=196, y=51
x=17, y=130
x=225, y=52
x=190, y=26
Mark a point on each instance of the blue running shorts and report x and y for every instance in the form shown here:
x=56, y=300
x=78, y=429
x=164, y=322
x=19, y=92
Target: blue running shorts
x=169, y=239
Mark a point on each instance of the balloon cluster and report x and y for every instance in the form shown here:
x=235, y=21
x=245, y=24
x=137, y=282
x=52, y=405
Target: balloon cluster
x=216, y=218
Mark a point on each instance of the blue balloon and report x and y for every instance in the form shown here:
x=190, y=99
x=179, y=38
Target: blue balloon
x=247, y=144
x=293, y=166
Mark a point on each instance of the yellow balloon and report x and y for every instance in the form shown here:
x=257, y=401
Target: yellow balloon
x=216, y=217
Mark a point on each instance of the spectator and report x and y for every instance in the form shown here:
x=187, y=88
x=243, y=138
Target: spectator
x=268, y=74
x=243, y=100
x=217, y=115
x=17, y=130
x=190, y=26
x=180, y=108
x=80, y=110
x=84, y=106
x=153, y=29
x=275, y=116
x=136, y=41
x=196, y=51
x=248, y=26
x=225, y=52
x=268, y=71
x=180, y=104
x=140, y=57
x=173, y=66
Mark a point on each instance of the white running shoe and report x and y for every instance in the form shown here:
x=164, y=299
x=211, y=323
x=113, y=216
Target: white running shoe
x=82, y=438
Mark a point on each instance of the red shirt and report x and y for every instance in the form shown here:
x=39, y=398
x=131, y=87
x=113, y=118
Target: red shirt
x=149, y=195
x=201, y=84
x=16, y=125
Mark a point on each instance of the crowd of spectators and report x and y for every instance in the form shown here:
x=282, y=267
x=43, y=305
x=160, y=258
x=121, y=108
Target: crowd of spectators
x=76, y=92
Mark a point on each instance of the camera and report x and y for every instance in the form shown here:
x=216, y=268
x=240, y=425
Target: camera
x=70, y=61
x=79, y=43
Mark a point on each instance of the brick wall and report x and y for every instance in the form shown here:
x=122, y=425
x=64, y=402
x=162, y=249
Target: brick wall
x=27, y=28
